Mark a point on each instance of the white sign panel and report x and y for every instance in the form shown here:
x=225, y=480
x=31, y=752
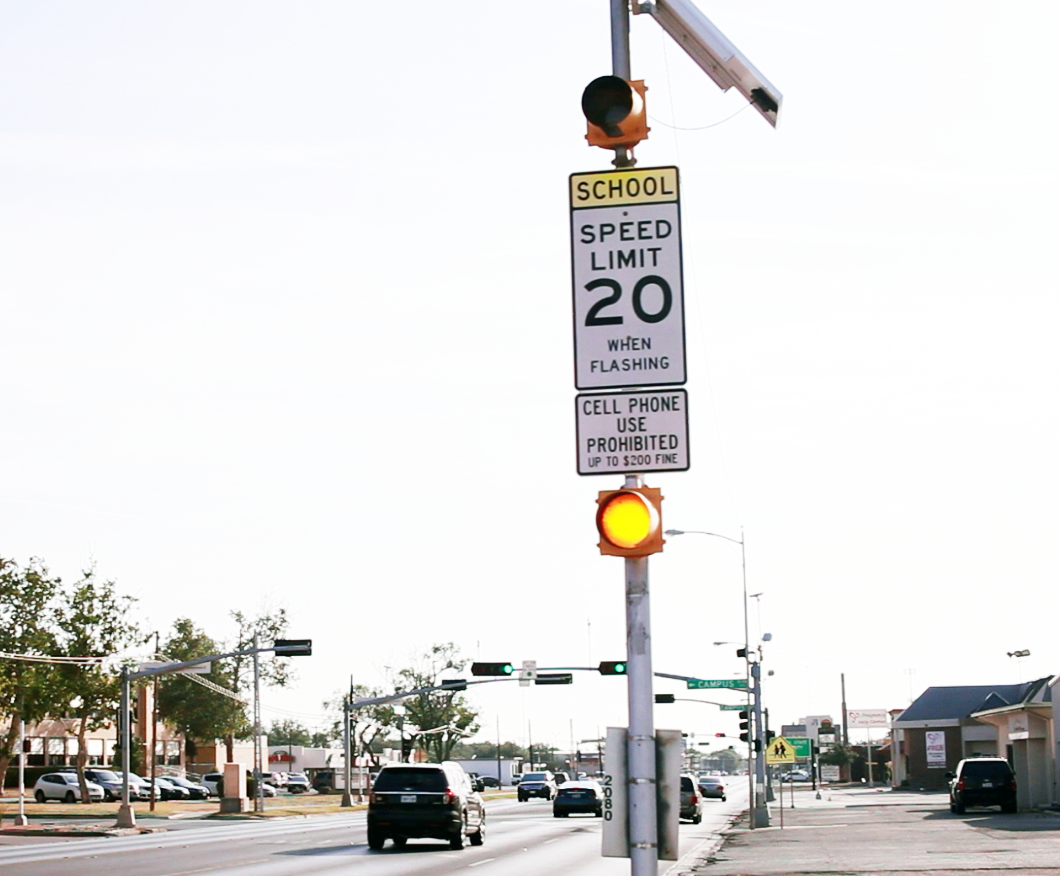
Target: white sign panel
x=935, y=741
x=829, y=772
x=868, y=718
x=615, y=784
x=629, y=324
x=626, y=432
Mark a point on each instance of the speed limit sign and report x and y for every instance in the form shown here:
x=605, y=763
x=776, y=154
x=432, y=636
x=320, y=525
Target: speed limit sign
x=629, y=324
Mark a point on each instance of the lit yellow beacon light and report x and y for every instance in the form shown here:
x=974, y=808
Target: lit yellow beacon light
x=630, y=522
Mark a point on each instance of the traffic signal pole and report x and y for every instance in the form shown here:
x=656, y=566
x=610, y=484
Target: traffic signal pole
x=643, y=825
x=620, y=63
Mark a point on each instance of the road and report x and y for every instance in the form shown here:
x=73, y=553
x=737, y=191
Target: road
x=522, y=838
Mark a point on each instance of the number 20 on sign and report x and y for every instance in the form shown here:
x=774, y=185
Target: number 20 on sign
x=627, y=278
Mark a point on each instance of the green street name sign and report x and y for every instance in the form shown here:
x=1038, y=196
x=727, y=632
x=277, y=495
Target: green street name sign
x=709, y=684
x=800, y=746
x=736, y=708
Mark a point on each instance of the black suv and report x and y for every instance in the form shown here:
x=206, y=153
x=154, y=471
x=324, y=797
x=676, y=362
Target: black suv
x=982, y=781
x=435, y=800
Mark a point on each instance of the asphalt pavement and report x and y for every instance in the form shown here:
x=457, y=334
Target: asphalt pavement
x=863, y=831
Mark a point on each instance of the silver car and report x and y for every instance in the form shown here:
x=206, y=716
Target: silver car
x=64, y=786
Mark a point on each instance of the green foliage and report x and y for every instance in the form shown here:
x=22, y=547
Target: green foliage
x=487, y=750
x=838, y=755
x=193, y=709
x=368, y=724
x=445, y=713
x=289, y=732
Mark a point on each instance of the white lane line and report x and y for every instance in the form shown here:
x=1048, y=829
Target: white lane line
x=483, y=861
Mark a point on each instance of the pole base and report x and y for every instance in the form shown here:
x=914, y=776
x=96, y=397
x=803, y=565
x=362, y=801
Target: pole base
x=761, y=816
x=21, y=821
x=347, y=800
x=126, y=816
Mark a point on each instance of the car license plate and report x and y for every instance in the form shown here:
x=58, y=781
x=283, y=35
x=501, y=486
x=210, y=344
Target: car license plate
x=988, y=784
x=408, y=798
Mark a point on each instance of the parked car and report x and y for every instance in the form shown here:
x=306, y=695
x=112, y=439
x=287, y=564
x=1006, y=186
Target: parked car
x=277, y=780
x=108, y=780
x=139, y=788
x=540, y=784
x=195, y=790
x=490, y=782
x=795, y=776
x=212, y=782
x=691, y=801
x=432, y=800
x=65, y=787
x=711, y=786
x=297, y=783
x=166, y=790
x=578, y=797
x=982, y=781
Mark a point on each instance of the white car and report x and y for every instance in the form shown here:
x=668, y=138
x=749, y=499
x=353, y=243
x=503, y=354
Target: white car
x=64, y=786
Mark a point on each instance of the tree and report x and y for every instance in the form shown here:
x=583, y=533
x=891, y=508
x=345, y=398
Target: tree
x=273, y=671
x=445, y=713
x=95, y=621
x=289, y=732
x=196, y=710
x=27, y=689
x=487, y=750
x=368, y=724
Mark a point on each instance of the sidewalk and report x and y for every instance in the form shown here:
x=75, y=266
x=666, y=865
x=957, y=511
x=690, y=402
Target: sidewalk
x=858, y=831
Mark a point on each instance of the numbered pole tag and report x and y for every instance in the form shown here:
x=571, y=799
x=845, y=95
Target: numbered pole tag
x=629, y=322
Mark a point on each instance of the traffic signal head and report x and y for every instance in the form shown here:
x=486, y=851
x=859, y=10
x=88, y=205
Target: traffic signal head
x=630, y=521
x=769, y=736
x=454, y=683
x=492, y=669
x=613, y=667
x=615, y=111
x=293, y=647
x=664, y=698
x=741, y=652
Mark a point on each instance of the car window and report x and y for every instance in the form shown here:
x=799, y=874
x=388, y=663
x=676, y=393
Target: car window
x=535, y=777
x=994, y=770
x=687, y=784
x=401, y=779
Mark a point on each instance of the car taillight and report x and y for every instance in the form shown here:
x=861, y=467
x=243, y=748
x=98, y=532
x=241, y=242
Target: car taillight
x=695, y=799
x=448, y=797
x=378, y=798
x=960, y=784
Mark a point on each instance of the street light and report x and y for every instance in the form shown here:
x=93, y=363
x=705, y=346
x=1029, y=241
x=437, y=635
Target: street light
x=760, y=814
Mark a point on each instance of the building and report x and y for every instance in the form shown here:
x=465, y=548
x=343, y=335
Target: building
x=945, y=724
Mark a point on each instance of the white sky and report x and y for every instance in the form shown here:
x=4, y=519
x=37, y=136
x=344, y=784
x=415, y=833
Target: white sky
x=286, y=319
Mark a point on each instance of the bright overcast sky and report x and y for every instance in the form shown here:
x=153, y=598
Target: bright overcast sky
x=287, y=321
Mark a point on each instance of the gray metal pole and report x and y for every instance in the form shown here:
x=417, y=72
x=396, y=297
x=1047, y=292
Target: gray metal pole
x=750, y=691
x=620, y=62
x=21, y=819
x=347, y=748
x=643, y=824
x=126, y=816
x=761, y=812
x=259, y=792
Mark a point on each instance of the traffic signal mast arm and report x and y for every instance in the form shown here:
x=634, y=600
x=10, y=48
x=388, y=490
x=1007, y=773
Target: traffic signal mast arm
x=454, y=685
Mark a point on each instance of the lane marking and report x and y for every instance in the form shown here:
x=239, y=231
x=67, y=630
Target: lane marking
x=483, y=861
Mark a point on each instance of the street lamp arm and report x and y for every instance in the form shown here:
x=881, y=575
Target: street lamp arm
x=738, y=541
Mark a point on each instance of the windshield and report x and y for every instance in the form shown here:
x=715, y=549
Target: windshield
x=535, y=777
x=104, y=776
x=410, y=779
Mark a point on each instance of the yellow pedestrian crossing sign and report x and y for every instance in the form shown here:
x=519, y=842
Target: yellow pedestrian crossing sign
x=780, y=751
